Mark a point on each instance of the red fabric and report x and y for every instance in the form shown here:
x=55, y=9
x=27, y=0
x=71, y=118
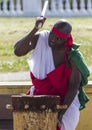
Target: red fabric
x=60, y=34
x=63, y=35
x=69, y=41
x=58, y=128
x=55, y=83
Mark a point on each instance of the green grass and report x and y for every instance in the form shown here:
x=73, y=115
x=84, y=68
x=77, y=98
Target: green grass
x=12, y=29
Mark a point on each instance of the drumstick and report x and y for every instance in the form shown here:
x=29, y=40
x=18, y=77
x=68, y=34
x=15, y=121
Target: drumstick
x=44, y=8
x=43, y=12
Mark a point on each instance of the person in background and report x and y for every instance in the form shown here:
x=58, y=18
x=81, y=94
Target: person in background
x=57, y=67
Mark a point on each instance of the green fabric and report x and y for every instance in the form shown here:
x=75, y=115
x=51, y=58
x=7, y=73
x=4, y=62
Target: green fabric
x=78, y=59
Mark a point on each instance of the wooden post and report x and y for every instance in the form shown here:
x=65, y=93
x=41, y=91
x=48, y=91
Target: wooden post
x=35, y=112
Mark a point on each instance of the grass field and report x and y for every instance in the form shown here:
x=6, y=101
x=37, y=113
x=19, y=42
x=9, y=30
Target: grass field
x=12, y=29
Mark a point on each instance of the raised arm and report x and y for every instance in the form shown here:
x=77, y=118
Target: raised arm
x=27, y=43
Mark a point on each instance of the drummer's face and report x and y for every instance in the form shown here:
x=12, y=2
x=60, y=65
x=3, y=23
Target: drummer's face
x=56, y=41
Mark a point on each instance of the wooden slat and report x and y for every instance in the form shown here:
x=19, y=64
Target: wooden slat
x=35, y=103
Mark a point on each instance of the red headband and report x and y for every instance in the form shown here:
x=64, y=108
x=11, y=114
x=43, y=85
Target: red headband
x=69, y=42
x=60, y=34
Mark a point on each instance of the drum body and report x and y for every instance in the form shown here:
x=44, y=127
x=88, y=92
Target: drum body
x=35, y=112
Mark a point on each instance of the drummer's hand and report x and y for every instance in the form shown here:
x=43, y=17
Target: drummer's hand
x=39, y=22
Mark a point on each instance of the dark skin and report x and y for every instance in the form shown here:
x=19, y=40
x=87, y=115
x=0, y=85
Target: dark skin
x=23, y=46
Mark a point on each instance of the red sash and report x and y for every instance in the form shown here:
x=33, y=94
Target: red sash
x=55, y=83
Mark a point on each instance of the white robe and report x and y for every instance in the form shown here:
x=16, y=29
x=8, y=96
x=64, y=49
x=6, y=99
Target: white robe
x=41, y=63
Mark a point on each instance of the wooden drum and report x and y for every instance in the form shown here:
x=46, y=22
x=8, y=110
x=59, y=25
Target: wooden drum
x=35, y=112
